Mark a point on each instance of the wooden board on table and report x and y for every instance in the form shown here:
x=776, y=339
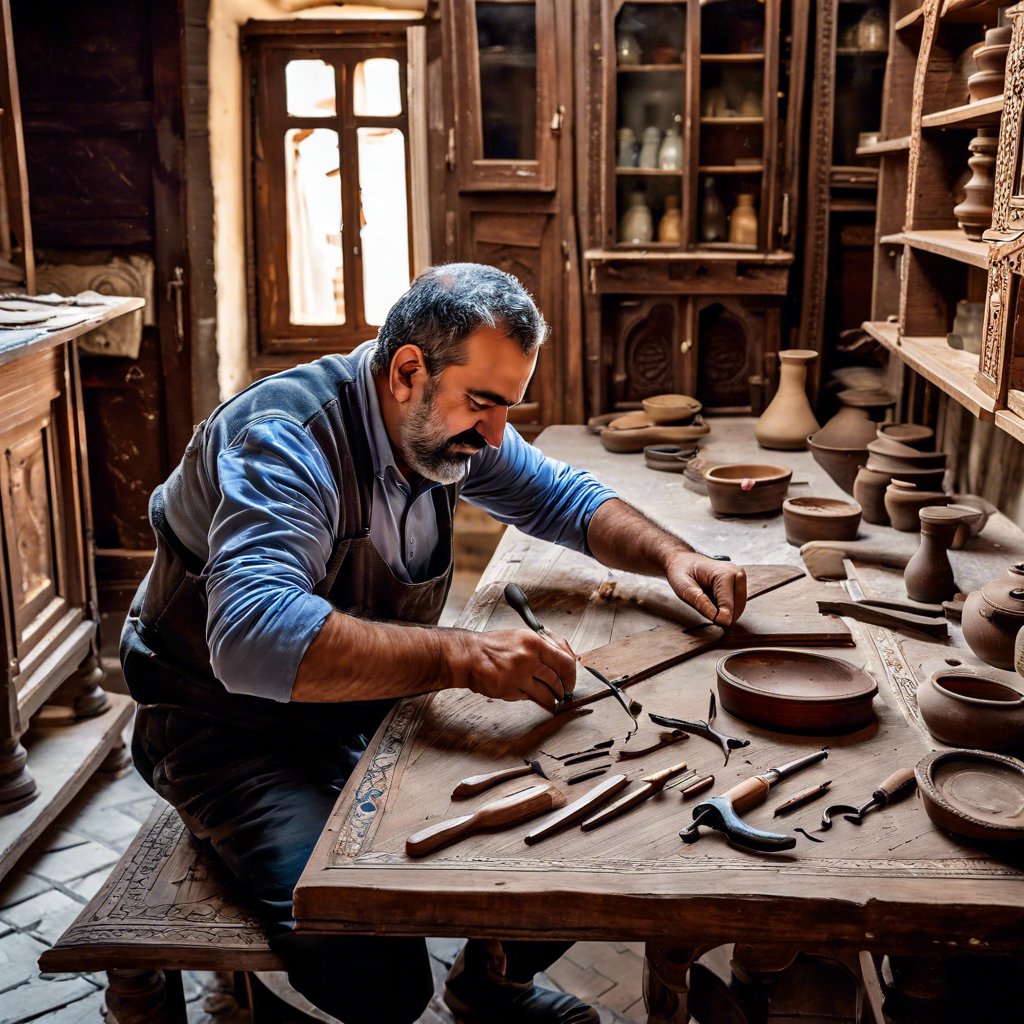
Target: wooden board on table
x=762, y=579
x=791, y=618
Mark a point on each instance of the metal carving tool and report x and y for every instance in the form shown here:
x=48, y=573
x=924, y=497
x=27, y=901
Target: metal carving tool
x=666, y=740
x=727, y=743
x=801, y=798
x=519, y=603
x=895, y=786
x=649, y=785
x=722, y=813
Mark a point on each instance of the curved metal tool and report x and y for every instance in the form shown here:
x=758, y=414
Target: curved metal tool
x=900, y=782
x=727, y=743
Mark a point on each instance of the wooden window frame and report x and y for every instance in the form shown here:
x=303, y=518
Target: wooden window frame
x=267, y=47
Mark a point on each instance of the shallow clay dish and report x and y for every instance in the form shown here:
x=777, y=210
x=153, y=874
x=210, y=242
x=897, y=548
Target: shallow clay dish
x=671, y=408
x=973, y=793
x=741, y=489
x=669, y=458
x=809, y=519
x=970, y=709
x=635, y=439
x=795, y=691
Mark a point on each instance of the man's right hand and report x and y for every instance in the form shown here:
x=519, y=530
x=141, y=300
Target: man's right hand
x=512, y=664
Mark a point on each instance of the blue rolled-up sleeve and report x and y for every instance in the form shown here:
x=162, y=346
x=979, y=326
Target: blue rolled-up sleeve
x=522, y=487
x=270, y=541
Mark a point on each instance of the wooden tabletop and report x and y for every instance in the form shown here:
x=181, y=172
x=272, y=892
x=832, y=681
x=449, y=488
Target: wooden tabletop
x=894, y=884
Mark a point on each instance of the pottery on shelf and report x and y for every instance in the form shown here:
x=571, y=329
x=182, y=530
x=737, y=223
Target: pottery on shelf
x=627, y=49
x=670, y=227
x=968, y=709
x=974, y=214
x=636, y=226
x=993, y=616
x=873, y=31
x=928, y=575
x=627, y=148
x=808, y=519
x=903, y=501
x=671, y=408
x=713, y=220
x=869, y=489
x=746, y=489
x=670, y=153
x=990, y=59
x=743, y=221
x=910, y=434
x=650, y=143
x=789, y=420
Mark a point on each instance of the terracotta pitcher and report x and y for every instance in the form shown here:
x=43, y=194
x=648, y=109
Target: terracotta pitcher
x=993, y=616
x=929, y=576
x=789, y=420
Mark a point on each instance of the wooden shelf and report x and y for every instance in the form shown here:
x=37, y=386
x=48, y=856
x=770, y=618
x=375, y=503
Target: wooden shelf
x=655, y=172
x=852, y=206
x=915, y=19
x=950, y=370
x=731, y=58
x=731, y=169
x=951, y=243
x=853, y=51
x=644, y=253
x=732, y=120
x=880, y=148
x=972, y=12
x=1010, y=423
x=983, y=114
x=647, y=68
x=853, y=177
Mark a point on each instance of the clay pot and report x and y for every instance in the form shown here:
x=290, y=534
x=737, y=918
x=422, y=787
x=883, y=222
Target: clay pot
x=910, y=434
x=928, y=575
x=903, y=501
x=809, y=519
x=789, y=419
x=889, y=454
x=668, y=458
x=974, y=214
x=966, y=709
x=745, y=489
x=993, y=616
x=988, y=80
x=851, y=427
x=925, y=479
x=869, y=490
x=671, y=408
x=841, y=464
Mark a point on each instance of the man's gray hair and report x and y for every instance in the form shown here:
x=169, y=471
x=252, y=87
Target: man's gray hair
x=446, y=304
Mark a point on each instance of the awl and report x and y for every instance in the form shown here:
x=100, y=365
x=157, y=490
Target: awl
x=649, y=785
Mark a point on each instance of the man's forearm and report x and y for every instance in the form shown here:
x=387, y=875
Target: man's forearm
x=620, y=537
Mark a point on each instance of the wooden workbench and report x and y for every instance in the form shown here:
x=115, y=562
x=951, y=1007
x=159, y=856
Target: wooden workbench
x=895, y=885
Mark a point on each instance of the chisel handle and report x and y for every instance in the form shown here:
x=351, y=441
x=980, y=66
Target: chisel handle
x=519, y=603
x=509, y=810
x=749, y=793
x=895, y=786
x=478, y=783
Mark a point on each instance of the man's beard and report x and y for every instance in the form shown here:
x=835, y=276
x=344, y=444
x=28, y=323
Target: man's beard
x=428, y=449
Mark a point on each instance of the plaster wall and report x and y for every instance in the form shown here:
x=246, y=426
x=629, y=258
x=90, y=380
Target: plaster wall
x=228, y=160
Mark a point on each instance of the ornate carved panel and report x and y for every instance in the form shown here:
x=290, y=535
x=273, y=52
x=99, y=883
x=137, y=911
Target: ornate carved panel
x=731, y=345
x=645, y=333
x=1009, y=174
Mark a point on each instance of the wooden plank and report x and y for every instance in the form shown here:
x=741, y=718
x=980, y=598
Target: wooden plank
x=645, y=654
x=980, y=114
x=951, y=243
x=61, y=759
x=899, y=145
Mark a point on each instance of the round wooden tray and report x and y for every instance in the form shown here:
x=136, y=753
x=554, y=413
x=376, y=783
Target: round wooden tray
x=973, y=793
x=795, y=691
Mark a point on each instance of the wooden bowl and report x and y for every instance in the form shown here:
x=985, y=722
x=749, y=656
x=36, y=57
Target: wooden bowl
x=795, y=691
x=820, y=519
x=671, y=408
x=971, y=709
x=744, y=488
x=973, y=793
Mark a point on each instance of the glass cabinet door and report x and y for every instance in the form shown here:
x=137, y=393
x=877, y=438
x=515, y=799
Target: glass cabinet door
x=506, y=113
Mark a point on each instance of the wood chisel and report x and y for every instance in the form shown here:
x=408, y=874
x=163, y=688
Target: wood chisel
x=649, y=785
x=578, y=809
x=509, y=810
x=478, y=783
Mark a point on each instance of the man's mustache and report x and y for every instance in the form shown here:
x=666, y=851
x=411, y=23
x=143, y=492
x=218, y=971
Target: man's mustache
x=471, y=438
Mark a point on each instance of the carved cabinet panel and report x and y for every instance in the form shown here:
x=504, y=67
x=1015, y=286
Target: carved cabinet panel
x=731, y=332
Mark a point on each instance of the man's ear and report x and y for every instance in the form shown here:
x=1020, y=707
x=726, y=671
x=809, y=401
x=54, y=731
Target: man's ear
x=408, y=374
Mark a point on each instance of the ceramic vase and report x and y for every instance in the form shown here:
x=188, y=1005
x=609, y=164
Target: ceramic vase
x=903, y=502
x=869, y=490
x=789, y=420
x=627, y=48
x=743, y=222
x=873, y=31
x=928, y=575
x=636, y=226
x=649, y=146
x=670, y=225
x=713, y=221
x=627, y=148
x=974, y=214
x=670, y=155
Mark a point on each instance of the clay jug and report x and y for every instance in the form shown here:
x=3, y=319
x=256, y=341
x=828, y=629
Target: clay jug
x=869, y=490
x=743, y=221
x=789, y=420
x=670, y=225
x=649, y=146
x=627, y=148
x=636, y=226
x=928, y=575
x=670, y=155
x=993, y=616
x=903, y=501
x=712, y=213
x=974, y=214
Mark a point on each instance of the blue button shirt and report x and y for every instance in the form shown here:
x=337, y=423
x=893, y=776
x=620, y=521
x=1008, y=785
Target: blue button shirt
x=273, y=532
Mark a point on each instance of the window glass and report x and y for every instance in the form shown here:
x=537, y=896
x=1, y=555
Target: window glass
x=377, y=88
x=309, y=88
x=316, y=290
x=507, y=40
x=384, y=220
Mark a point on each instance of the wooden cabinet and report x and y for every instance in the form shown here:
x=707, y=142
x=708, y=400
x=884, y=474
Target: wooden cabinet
x=688, y=188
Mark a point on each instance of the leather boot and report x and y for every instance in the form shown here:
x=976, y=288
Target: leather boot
x=477, y=993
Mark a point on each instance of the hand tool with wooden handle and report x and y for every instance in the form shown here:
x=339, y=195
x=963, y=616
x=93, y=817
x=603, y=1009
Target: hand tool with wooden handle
x=478, y=783
x=498, y=814
x=900, y=782
x=824, y=558
x=649, y=785
x=578, y=809
x=863, y=611
x=723, y=812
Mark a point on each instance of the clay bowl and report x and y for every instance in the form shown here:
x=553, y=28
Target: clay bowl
x=668, y=458
x=903, y=501
x=925, y=479
x=889, y=454
x=795, y=691
x=809, y=519
x=968, y=709
x=671, y=408
x=973, y=793
x=747, y=489
x=910, y=434
x=841, y=464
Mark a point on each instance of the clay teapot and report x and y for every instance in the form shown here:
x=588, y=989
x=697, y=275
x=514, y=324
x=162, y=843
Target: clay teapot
x=967, y=709
x=994, y=615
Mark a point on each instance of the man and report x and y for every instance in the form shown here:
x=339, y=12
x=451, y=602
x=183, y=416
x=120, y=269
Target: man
x=304, y=553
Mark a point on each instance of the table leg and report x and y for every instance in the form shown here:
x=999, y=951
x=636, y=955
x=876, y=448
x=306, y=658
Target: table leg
x=666, y=984
x=145, y=997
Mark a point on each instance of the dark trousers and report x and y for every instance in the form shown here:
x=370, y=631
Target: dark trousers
x=261, y=801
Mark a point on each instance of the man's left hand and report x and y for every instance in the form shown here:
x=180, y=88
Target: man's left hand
x=718, y=590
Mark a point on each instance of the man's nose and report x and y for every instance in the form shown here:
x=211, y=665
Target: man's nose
x=491, y=425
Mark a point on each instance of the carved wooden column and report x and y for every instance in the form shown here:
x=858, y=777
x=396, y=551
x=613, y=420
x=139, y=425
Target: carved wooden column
x=144, y=997
x=666, y=982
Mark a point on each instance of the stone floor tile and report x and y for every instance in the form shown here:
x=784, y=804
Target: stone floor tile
x=45, y=916
x=139, y=808
x=95, y=817
x=19, y=954
x=586, y=985
x=76, y=862
x=43, y=995
x=54, y=839
x=90, y=885
x=19, y=886
x=87, y=1010
x=445, y=950
x=628, y=990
